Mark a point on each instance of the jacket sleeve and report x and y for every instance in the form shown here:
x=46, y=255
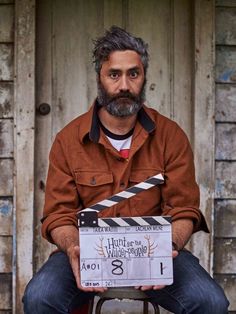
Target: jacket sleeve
x=61, y=196
x=180, y=193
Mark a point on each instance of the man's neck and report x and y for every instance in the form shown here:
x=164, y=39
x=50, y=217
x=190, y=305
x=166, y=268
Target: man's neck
x=117, y=125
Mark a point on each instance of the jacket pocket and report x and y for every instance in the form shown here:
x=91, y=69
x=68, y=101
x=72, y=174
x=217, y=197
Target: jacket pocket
x=93, y=186
x=147, y=202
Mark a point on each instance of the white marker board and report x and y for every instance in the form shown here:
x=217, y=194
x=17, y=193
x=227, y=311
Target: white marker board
x=126, y=252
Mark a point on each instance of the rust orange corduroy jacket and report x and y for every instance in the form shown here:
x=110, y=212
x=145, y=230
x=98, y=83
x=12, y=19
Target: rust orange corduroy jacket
x=85, y=169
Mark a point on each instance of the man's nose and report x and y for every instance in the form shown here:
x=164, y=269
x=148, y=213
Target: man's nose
x=124, y=83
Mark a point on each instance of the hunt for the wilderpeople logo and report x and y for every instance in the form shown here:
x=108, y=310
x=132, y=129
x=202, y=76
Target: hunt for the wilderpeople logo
x=123, y=248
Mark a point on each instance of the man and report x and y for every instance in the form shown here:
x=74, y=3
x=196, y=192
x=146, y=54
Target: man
x=118, y=143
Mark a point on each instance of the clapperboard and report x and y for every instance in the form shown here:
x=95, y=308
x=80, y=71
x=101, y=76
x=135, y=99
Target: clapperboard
x=127, y=251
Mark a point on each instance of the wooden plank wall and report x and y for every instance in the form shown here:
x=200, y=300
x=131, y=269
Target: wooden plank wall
x=225, y=181
x=6, y=153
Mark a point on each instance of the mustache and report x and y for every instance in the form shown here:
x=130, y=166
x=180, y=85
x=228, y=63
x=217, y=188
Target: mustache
x=126, y=94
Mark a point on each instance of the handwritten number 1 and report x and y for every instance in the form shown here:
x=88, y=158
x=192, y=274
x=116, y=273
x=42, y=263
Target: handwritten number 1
x=161, y=266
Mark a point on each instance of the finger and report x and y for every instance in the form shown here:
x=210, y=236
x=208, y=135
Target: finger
x=75, y=264
x=175, y=253
x=145, y=288
x=159, y=287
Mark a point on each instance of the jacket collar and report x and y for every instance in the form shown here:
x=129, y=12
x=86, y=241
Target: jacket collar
x=92, y=129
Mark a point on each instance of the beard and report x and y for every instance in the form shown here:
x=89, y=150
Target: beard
x=123, y=104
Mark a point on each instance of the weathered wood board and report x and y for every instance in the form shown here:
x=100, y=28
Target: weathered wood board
x=226, y=64
x=225, y=183
x=6, y=100
x=203, y=123
x=225, y=141
x=24, y=145
x=6, y=291
x=6, y=62
x=226, y=26
x=6, y=170
x=5, y=254
x=6, y=23
x=228, y=283
x=6, y=138
x=225, y=222
x=225, y=256
x=225, y=103
x=6, y=207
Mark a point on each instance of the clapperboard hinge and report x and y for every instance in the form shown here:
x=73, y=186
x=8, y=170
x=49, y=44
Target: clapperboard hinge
x=88, y=217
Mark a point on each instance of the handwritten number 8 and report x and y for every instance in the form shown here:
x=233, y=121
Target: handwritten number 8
x=118, y=270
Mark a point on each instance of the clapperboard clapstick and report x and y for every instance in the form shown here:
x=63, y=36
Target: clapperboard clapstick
x=88, y=217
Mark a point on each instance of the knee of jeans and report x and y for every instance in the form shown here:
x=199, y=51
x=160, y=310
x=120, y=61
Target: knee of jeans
x=214, y=302
x=34, y=298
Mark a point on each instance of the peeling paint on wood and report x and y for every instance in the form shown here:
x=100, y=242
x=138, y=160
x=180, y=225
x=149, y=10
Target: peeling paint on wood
x=226, y=64
x=5, y=254
x=6, y=171
x=6, y=100
x=6, y=217
x=5, y=292
x=225, y=256
x=6, y=23
x=225, y=102
x=225, y=222
x=226, y=141
x=6, y=138
x=6, y=62
x=225, y=184
x=226, y=26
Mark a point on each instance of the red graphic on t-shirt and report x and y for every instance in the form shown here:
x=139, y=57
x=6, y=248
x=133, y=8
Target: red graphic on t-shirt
x=124, y=153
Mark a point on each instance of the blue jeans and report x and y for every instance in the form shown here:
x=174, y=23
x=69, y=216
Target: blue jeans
x=53, y=289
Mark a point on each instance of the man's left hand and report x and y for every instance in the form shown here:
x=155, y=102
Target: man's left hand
x=158, y=287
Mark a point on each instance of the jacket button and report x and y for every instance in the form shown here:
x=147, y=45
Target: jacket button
x=93, y=181
x=118, y=215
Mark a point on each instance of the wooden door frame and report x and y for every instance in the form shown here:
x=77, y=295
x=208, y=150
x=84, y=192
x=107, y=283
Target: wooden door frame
x=24, y=136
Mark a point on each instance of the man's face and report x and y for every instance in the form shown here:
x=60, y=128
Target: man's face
x=121, y=83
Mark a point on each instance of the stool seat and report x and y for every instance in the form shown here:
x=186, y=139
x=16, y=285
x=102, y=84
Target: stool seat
x=123, y=293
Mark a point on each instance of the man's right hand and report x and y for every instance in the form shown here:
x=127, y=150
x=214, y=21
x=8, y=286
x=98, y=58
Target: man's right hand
x=67, y=240
x=73, y=253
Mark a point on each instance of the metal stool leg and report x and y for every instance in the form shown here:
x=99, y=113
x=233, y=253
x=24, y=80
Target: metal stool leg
x=99, y=305
x=155, y=307
x=90, y=308
x=145, y=307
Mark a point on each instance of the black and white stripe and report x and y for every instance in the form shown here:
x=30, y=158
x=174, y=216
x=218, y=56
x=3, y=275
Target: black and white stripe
x=88, y=216
x=134, y=221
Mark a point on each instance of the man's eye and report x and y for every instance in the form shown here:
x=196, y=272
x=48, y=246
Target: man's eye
x=133, y=74
x=114, y=75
